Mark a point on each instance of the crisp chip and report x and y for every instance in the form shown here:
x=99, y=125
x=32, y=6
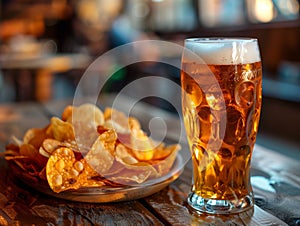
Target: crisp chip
x=35, y=137
x=142, y=146
x=62, y=131
x=131, y=164
x=59, y=170
x=64, y=172
x=88, y=114
x=28, y=150
x=67, y=114
x=116, y=120
x=88, y=148
x=99, y=157
x=163, y=166
x=50, y=145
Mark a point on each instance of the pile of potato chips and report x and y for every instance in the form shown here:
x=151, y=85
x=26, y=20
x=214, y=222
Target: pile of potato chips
x=90, y=148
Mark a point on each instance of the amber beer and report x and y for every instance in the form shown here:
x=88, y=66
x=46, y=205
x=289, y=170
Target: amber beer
x=221, y=102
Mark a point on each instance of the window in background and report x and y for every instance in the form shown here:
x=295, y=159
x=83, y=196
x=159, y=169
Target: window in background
x=172, y=15
x=216, y=13
x=262, y=11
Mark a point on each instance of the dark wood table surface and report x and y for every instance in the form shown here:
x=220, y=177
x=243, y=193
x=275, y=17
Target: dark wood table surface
x=275, y=180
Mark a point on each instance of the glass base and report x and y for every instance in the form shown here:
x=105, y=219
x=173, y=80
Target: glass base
x=213, y=206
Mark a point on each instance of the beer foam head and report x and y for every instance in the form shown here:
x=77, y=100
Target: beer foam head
x=223, y=51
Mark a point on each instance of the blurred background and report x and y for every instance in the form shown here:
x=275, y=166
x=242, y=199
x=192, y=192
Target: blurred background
x=46, y=46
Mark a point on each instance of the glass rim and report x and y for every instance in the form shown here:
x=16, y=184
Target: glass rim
x=220, y=39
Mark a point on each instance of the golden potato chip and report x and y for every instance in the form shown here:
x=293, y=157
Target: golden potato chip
x=85, y=136
x=64, y=172
x=28, y=150
x=109, y=139
x=161, y=151
x=62, y=131
x=116, y=120
x=12, y=149
x=35, y=137
x=163, y=166
x=69, y=173
x=114, y=169
x=67, y=114
x=141, y=145
x=123, y=153
x=99, y=157
x=131, y=164
x=108, y=136
x=134, y=123
x=88, y=114
x=88, y=148
x=59, y=169
x=50, y=145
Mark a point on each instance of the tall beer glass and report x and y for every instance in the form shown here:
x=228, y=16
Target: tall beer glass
x=221, y=82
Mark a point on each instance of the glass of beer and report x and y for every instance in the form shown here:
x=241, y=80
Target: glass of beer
x=221, y=82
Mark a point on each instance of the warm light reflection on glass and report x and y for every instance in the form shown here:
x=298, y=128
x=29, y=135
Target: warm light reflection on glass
x=221, y=12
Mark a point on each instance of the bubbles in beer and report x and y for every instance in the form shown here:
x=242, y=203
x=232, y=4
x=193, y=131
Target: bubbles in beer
x=244, y=94
x=221, y=169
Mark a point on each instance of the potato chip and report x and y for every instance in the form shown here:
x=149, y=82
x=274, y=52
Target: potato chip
x=59, y=170
x=64, y=172
x=85, y=136
x=132, y=164
x=125, y=155
x=31, y=152
x=114, y=169
x=108, y=136
x=99, y=157
x=88, y=114
x=50, y=145
x=134, y=124
x=164, y=166
x=89, y=148
x=62, y=131
x=67, y=114
x=116, y=120
x=162, y=152
x=142, y=146
x=13, y=149
x=28, y=150
x=35, y=137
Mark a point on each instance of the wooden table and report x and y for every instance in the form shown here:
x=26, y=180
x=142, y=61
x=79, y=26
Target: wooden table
x=275, y=180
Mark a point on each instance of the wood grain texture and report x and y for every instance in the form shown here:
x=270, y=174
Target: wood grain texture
x=276, y=184
x=21, y=205
x=171, y=205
